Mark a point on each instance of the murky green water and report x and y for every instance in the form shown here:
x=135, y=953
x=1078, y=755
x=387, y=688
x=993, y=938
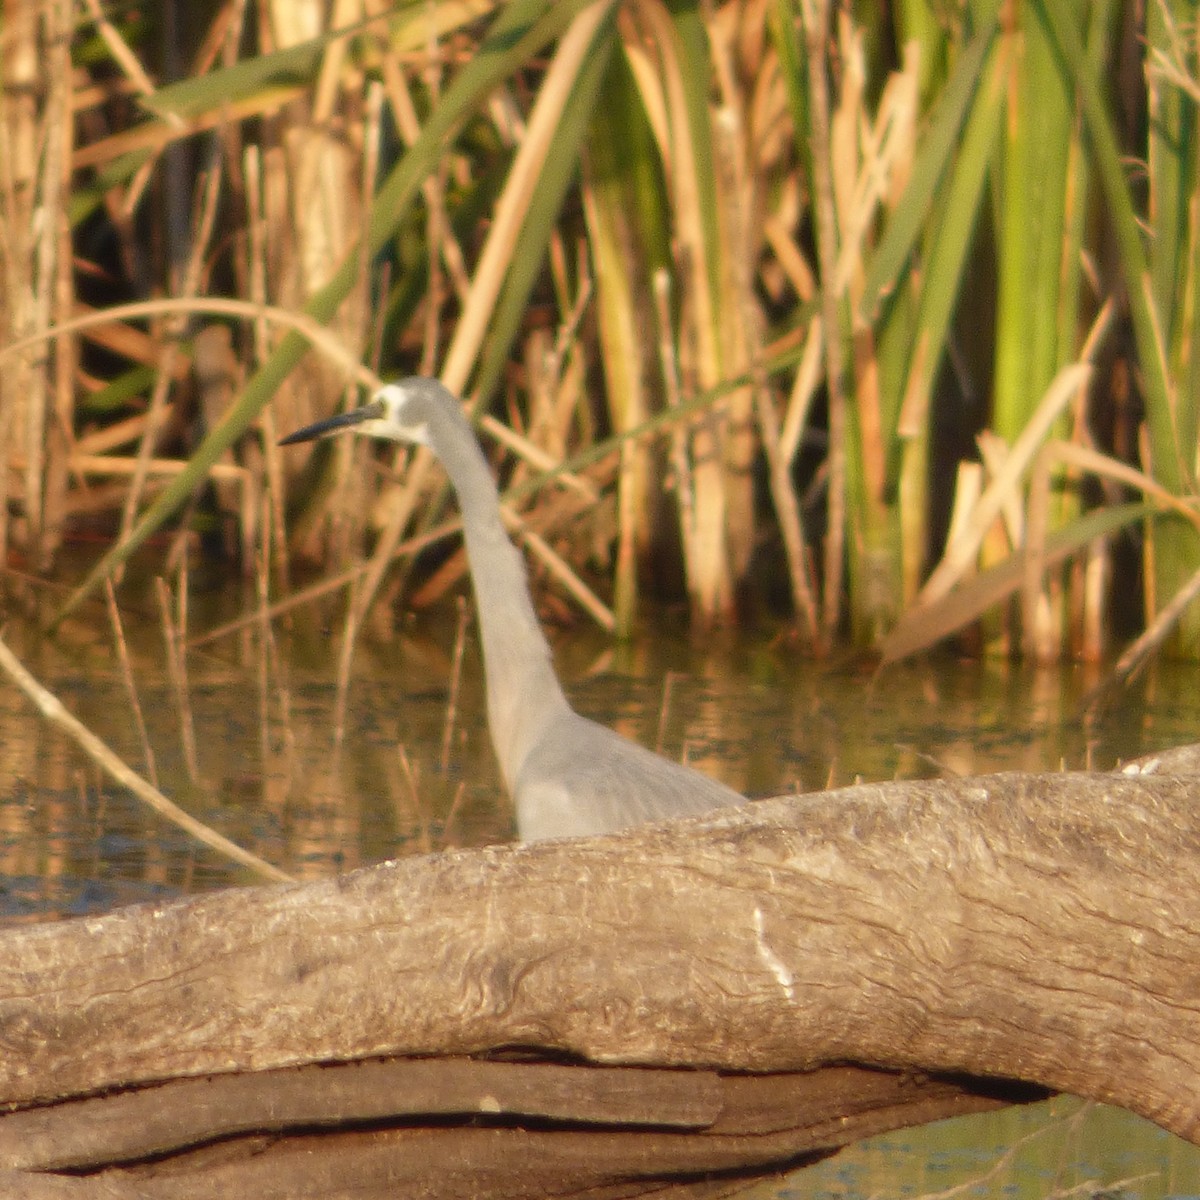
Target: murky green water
x=415, y=773
x=1061, y=1148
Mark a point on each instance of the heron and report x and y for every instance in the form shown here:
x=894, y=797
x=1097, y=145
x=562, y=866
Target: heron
x=567, y=775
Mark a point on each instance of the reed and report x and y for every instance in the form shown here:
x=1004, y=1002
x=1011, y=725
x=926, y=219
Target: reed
x=1171, y=286
x=128, y=679
x=120, y=771
x=789, y=300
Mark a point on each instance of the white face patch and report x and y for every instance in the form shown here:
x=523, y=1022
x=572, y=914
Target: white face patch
x=398, y=425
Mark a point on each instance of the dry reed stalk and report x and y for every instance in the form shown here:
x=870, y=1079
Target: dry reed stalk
x=787, y=512
x=1041, y=632
x=31, y=399
x=35, y=137
x=60, y=111
x=1097, y=577
x=311, y=178
x=567, y=340
x=573, y=290
x=456, y=661
x=371, y=135
x=631, y=520
x=664, y=709
x=123, y=467
x=815, y=19
x=561, y=570
x=698, y=353
x=804, y=390
x=296, y=600
x=1053, y=602
x=105, y=499
x=452, y=814
x=173, y=630
x=680, y=463
x=139, y=721
x=739, y=199
x=994, y=454
x=1000, y=490
x=538, y=458
x=256, y=278
x=876, y=154
x=350, y=628
x=221, y=40
x=1112, y=469
x=263, y=642
x=127, y=341
x=125, y=58
x=789, y=257
x=272, y=666
x=312, y=331
x=445, y=252
x=188, y=286
x=745, y=354
x=350, y=497
x=512, y=206
x=263, y=673
x=159, y=472
x=410, y=776
x=157, y=136
x=569, y=402
x=120, y=433
x=52, y=709
x=326, y=586
x=345, y=484
x=442, y=248
x=509, y=214
x=553, y=513
x=543, y=426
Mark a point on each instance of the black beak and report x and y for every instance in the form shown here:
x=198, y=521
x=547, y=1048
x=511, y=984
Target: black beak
x=332, y=424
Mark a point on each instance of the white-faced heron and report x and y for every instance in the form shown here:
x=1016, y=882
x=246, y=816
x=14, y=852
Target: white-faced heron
x=568, y=776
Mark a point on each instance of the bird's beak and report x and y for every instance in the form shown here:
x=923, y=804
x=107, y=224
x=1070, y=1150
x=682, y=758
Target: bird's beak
x=368, y=412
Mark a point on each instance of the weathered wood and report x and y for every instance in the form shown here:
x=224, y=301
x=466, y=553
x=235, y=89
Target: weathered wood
x=758, y=1123
x=1037, y=928
x=167, y=1117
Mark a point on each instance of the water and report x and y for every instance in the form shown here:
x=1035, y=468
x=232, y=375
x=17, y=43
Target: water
x=1061, y=1148
x=415, y=773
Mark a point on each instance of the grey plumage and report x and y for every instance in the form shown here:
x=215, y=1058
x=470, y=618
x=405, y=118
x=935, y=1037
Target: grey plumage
x=568, y=776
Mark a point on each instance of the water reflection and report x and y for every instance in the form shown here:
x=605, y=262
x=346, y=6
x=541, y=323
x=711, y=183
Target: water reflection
x=416, y=774
x=415, y=771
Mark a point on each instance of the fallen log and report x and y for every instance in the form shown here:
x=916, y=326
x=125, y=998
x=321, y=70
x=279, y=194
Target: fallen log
x=722, y=995
x=529, y=1129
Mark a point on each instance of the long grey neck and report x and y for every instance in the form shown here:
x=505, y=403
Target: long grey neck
x=522, y=688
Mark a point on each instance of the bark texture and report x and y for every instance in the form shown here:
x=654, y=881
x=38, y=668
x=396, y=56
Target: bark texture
x=924, y=937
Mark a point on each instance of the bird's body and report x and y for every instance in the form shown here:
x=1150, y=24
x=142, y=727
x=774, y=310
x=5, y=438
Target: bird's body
x=567, y=775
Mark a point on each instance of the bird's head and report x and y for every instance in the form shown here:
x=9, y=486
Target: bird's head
x=397, y=413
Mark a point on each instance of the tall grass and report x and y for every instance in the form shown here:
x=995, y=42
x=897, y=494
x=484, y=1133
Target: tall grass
x=814, y=315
